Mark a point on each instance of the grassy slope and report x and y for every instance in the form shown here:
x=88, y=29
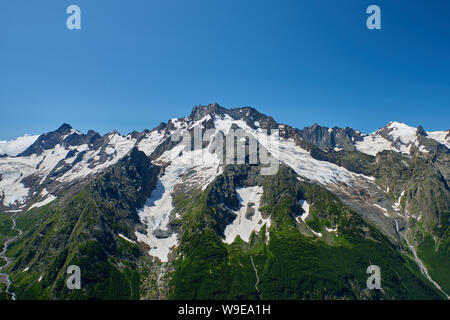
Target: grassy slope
x=5, y=228
x=53, y=240
x=5, y=233
x=437, y=261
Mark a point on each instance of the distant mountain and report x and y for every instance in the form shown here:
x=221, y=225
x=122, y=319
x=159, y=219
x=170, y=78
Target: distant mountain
x=402, y=138
x=145, y=216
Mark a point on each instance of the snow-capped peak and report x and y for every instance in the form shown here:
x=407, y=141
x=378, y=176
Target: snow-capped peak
x=400, y=130
x=443, y=137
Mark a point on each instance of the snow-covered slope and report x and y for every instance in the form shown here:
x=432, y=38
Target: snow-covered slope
x=22, y=178
x=442, y=137
x=398, y=137
x=245, y=224
x=291, y=154
x=189, y=168
x=65, y=157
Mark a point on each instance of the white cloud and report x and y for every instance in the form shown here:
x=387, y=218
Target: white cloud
x=14, y=147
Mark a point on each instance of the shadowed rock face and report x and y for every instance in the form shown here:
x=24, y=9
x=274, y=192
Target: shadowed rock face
x=330, y=138
x=421, y=131
x=84, y=228
x=64, y=136
x=247, y=114
x=318, y=136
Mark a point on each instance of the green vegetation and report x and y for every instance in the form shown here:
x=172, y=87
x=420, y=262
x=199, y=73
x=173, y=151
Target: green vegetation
x=83, y=230
x=284, y=262
x=291, y=265
x=423, y=181
x=3, y=295
x=437, y=260
x=355, y=161
x=33, y=218
x=5, y=229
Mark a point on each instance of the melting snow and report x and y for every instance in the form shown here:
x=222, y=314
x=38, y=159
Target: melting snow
x=316, y=233
x=442, y=137
x=42, y=203
x=150, y=142
x=118, y=146
x=14, y=169
x=382, y=209
x=10, y=186
x=396, y=205
x=305, y=207
x=374, y=142
x=156, y=214
x=294, y=156
x=125, y=238
x=242, y=226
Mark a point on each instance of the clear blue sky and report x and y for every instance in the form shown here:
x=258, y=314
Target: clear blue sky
x=136, y=63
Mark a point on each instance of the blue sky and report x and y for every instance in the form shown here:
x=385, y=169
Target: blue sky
x=136, y=63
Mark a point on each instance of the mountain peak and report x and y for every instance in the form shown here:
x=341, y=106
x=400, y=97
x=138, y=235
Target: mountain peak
x=64, y=128
x=397, y=125
x=421, y=130
x=198, y=112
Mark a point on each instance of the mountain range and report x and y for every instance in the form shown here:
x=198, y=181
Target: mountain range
x=147, y=217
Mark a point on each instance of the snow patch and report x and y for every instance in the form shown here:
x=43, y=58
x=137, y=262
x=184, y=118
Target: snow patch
x=443, y=137
x=125, y=238
x=396, y=205
x=44, y=202
x=382, y=209
x=150, y=142
x=305, y=207
x=374, y=143
x=242, y=226
x=202, y=166
x=316, y=233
